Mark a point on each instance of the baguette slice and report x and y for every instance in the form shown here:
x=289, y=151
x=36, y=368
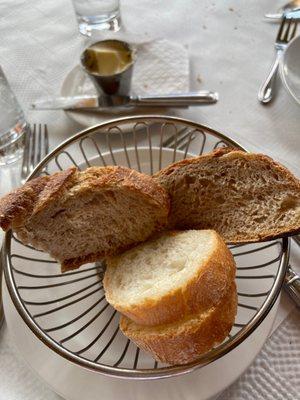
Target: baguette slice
x=167, y=278
x=184, y=341
x=245, y=197
x=80, y=217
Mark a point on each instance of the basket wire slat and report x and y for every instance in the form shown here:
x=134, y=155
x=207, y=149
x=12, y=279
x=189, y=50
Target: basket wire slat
x=85, y=326
x=69, y=312
x=55, y=328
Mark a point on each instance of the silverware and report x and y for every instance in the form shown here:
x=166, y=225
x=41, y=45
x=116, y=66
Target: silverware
x=292, y=285
x=36, y=147
x=286, y=32
x=94, y=103
x=297, y=239
x=180, y=140
x=290, y=6
x=292, y=280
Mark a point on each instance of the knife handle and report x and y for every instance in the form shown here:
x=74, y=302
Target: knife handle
x=180, y=99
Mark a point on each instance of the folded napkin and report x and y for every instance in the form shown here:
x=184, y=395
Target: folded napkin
x=161, y=67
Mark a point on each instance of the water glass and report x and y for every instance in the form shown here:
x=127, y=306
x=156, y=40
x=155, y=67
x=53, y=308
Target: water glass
x=97, y=15
x=13, y=126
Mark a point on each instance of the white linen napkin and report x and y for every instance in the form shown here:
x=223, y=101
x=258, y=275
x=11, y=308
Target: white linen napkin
x=275, y=373
x=161, y=67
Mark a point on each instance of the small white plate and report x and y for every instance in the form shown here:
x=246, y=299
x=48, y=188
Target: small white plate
x=77, y=82
x=290, y=68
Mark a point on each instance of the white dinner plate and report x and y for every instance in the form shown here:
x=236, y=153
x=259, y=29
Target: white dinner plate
x=290, y=68
x=73, y=382
x=77, y=82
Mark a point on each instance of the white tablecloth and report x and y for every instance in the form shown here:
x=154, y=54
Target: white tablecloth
x=230, y=48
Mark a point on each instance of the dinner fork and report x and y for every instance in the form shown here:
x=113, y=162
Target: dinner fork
x=179, y=140
x=36, y=148
x=287, y=31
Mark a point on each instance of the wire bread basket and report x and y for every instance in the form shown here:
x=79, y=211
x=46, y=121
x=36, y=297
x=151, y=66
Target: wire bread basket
x=69, y=313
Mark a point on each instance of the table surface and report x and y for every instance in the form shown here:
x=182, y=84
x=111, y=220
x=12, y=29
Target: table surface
x=230, y=49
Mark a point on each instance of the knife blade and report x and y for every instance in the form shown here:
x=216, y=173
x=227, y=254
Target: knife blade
x=93, y=103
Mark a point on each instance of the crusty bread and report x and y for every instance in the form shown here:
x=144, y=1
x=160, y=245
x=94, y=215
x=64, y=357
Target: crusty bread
x=79, y=217
x=184, y=341
x=165, y=279
x=245, y=197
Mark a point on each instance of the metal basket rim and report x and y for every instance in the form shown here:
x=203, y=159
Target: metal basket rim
x=141, y=374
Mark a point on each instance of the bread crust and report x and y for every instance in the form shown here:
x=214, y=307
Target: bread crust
x=16, y=207
x=231, y=153
x=116, y=176
x=204, y=289
x=184, y=341
x=20, y=208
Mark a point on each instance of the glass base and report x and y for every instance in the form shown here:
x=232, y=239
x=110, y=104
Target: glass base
x=10, y=177
x=87, y=28
x=12, y=144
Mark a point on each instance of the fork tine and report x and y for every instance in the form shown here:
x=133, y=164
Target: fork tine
x=185, y=145
x=25, y=163
x=287, y=31
x=39, y=146
x=294, y=29
x=32, y=150
x=281, y=29
x=183, y=139
x=46, y=140
x=36, y=148
x=171, y=140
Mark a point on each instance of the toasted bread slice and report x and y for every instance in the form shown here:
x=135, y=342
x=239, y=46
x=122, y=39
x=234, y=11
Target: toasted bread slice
x=245, y=197
x=79, y=217
x=185, y=340
x=165, y=279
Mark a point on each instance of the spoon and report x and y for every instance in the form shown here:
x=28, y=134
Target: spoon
x=290, y=6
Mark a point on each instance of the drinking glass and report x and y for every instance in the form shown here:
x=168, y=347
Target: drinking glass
x=13, y=126
x=97, y=15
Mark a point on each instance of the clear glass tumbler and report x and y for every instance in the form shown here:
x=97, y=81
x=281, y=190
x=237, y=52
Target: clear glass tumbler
x=97, y=15
x=13, y=126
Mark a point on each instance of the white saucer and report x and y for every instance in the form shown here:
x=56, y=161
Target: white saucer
x=75, y=383
x=77, y=82
x=290, y=68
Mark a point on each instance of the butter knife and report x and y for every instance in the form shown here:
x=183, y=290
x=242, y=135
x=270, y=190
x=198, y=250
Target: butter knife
x=94, y=103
